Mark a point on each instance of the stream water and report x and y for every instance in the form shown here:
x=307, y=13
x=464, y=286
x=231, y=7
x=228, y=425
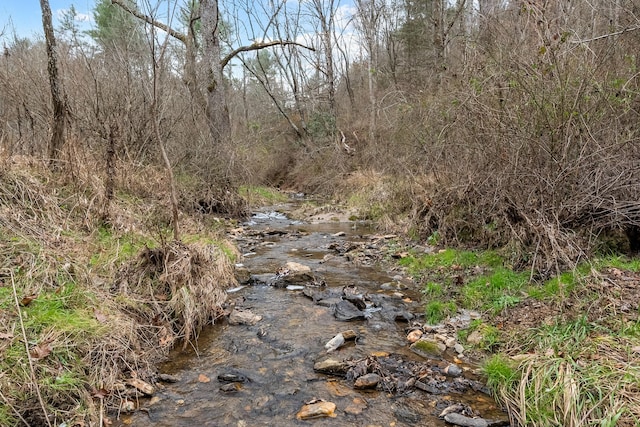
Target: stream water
x=276, y=356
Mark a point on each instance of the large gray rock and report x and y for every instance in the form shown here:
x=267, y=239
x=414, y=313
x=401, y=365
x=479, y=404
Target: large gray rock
x=346, y=311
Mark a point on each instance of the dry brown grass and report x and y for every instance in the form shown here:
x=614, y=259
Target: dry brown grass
x=184, y=286
x=96, y=330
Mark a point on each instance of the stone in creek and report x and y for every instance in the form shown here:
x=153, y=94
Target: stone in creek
x=414, y=335
x=356, y=406
x=232, y=377
x=430, y=387
x=243, y=317
x=332, y=366
x=459, y=348
x=142, y=386
x=167, y=378
x=230, y=387
x=367, y=381
x=317, y=410
x=242, y=275
x=349, y=334
x=475, y=338
x=294, y=267
x=329, y=302
x=461, y=420
x=262, y=279
x=346, y=311
x=453, y=371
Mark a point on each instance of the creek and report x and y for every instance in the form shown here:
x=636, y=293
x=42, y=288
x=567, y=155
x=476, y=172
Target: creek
x=274, y=358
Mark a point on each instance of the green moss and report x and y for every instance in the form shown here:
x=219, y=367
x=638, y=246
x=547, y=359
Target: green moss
x=427, y=347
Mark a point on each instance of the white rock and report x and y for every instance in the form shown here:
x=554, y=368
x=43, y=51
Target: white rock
x=334, y=343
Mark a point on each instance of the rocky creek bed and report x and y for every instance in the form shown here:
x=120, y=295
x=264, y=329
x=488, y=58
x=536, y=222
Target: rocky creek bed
x=317, y=332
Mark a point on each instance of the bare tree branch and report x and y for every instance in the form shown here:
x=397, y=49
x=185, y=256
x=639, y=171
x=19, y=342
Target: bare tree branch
x=183, y=38
x=258, y=46
x=149, y=20
x=604, y=36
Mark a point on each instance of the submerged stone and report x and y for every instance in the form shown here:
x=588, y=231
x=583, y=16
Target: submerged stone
x=317, y=410
x=453, y=371
x=332, y=366
x=367, y=381
x=461, y=420
x=346, y=311
x=243, y=317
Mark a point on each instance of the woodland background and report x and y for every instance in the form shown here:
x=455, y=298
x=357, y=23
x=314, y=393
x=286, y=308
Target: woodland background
x=490, y=122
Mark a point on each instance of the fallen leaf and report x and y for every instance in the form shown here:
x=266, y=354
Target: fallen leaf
x=100, y=394
x=4, y=336
x=203, y=378
x=40, y=351
x=100, y=316
x=25, y=301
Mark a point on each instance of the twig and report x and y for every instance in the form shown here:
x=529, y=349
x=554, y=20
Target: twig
x=604, y=36
x=26, y=346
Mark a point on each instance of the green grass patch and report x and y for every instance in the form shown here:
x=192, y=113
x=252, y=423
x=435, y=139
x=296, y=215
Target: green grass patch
x=570, y=373
x=448, y=258
x=500, y=371
x=619, y=262
x=112, y=248
x=496, y=291
x=260, y=196
x=433, y=290
x=229, y=251
x=563, y=337
x=436, y=311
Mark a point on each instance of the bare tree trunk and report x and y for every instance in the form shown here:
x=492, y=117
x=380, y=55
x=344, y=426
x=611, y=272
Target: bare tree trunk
x=369, y=14
x=326, y=17
x=217, y=108
x=59, y=110
x=190, y=74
